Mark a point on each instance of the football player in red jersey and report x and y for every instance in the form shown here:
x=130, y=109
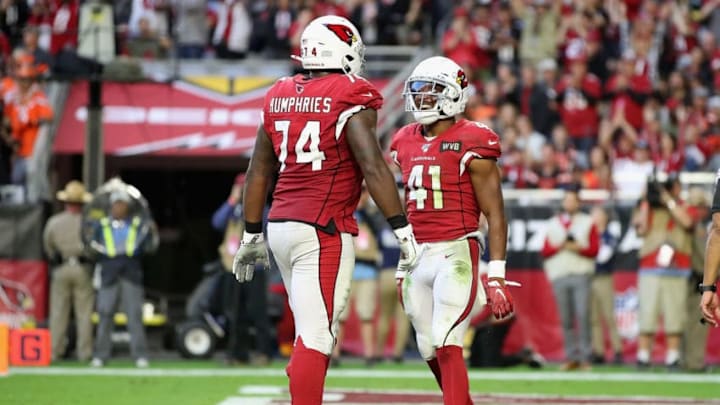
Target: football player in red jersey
x=318, y=136
x=450, y=171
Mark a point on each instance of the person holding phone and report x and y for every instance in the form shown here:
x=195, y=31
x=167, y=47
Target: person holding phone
x=570, y=248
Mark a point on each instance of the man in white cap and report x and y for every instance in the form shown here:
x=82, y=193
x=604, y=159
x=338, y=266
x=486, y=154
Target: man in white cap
x=120, y=240
x=70, y=283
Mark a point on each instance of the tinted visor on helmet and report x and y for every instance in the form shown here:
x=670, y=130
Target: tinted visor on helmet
x=422, y=95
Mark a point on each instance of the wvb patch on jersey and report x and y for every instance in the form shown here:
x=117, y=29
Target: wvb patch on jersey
x=450, y=146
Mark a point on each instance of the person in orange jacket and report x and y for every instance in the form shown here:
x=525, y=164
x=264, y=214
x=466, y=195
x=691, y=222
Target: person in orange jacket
x=26, y=110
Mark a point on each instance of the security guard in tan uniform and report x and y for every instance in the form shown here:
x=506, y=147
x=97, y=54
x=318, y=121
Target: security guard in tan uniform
x=71, y=282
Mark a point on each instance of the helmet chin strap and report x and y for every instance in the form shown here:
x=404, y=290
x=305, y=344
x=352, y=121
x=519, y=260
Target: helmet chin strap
x=426, y=117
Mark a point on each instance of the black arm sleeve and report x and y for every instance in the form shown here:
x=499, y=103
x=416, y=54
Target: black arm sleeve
x=716, y=198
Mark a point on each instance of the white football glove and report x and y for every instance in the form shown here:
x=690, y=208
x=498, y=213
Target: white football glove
x=410, y=251
x=252, y=250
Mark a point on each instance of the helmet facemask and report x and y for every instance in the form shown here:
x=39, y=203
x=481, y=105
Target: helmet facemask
x=354, y=64
x=429, y=99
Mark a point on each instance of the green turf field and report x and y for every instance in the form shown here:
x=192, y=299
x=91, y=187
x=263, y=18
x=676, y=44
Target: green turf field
x=207, y=382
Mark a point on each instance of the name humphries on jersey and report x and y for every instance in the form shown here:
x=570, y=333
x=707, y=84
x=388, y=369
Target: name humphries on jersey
x=450, y=146
x=279, y=105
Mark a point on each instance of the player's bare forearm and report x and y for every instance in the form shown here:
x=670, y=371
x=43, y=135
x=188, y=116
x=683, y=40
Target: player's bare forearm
x=366, y=150
x=263, y=165
x=712, y=251
x=486, y=182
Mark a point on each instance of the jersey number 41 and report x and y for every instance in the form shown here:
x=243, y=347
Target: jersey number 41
x=418, y=193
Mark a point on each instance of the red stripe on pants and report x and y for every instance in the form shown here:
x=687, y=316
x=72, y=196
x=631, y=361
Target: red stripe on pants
x=474, y=246
x=329, y=259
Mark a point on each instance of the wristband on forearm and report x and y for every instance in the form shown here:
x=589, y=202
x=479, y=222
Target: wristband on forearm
x=496, y=269
x=253, y=227
x=398, y=221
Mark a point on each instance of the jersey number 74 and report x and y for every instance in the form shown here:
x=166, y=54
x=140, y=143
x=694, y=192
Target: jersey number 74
x=309, y=134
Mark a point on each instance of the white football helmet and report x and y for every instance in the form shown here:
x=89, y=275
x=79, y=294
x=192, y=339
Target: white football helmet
x=436, y=89
x=331, y=42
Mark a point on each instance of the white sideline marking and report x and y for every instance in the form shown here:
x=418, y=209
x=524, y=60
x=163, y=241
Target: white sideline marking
x=261, y=390
x=337, y=395
x=361, y=373
x=246, y=401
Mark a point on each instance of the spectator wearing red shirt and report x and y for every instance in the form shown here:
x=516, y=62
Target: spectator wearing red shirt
x=328, y=7
x=628, y=92
x=5, y=48
x=41, y=17
x=577, y=96
x=516, y=169
x=576, y=33
x=632, y=8
x=481, y=23
x=65, y=26
x=678, y=92
x=715, y=67
x=670, y=158
x=460, y=45
x=550, y=174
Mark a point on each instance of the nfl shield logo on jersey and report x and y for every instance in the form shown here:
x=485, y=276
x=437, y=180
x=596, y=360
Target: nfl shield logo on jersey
x=425, y=147
x=299, y=88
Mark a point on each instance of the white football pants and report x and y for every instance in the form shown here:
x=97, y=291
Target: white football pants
x=316, y=269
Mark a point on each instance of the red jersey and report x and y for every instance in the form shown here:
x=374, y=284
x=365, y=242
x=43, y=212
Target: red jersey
x=578, y=113
x=623, y=101
x=65, y=27
x=441, y=202
x=319, y=180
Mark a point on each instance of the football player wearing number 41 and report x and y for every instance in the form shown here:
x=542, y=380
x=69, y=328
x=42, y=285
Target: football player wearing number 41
x=450, y=173
x=318, y=136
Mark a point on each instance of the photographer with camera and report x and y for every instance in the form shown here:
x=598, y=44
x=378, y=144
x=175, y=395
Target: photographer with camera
x=666, y=224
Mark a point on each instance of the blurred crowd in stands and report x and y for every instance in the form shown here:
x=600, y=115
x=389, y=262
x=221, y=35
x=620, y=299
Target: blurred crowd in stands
x=579, y=90
x=594, y=92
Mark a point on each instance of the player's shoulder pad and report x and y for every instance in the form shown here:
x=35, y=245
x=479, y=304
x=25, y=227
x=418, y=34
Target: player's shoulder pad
x=407, y=130
x=274, y=87
x=356, y=90
x=403, y=133
x=479, y=138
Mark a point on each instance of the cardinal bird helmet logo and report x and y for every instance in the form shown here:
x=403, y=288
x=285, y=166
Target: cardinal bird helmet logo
x=343, y=32
x=461, y=79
